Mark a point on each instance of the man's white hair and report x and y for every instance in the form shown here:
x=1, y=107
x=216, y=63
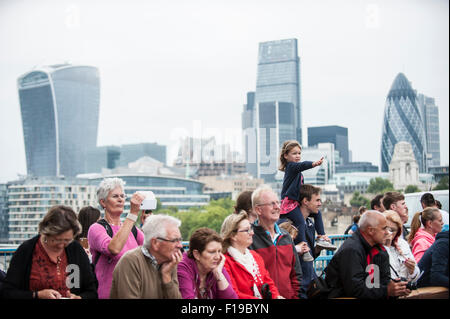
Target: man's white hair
x=369, y=219
x=256, y=195
x=107, y=185
x=156, y=226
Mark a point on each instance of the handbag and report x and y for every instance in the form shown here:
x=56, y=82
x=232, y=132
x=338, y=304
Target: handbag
x=318, y=288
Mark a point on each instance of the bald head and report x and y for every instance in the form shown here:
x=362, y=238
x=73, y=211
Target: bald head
x=371, y=218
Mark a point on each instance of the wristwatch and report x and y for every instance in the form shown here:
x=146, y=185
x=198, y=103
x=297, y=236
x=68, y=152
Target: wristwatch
x=132, y=217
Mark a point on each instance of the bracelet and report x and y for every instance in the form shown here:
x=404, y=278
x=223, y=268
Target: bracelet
x=222, y=277
x=132, y=217
x=35, y=294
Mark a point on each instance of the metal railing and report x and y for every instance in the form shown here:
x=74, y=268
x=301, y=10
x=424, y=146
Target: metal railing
x=320, y=263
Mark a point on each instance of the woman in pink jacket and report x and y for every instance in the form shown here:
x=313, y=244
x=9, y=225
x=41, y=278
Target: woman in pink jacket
x=421, y=238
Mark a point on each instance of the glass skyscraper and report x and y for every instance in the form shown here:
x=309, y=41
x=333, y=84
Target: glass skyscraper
x=60, y=109
x=402, y=122
x=273, y=113
x=337, y=135
x=430, y=117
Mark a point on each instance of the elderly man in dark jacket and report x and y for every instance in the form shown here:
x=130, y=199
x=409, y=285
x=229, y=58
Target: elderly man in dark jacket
x=360, y=268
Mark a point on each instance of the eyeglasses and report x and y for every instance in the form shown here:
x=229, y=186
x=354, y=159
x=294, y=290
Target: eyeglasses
x=248, y=230
x=392, y=230
x=60, y=241
x=173, y=241
x=274, y=204
x=116, y=196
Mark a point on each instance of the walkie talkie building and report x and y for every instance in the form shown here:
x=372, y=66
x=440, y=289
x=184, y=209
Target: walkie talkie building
x=60, y=110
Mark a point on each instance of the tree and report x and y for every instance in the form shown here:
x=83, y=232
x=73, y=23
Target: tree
x=443, y=184
x=359, y=200
x=379, y=185
x=411, y=189
x=211, y=216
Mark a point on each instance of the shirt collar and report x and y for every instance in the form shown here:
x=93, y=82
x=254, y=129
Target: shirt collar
x=150, y=256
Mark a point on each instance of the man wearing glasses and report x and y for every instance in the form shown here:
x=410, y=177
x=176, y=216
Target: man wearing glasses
x=275, y=245
x=150, y=271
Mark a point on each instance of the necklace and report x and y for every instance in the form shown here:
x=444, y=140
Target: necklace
x=108, y=219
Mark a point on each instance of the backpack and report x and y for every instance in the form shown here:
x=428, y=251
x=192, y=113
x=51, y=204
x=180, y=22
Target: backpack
x=109, y=231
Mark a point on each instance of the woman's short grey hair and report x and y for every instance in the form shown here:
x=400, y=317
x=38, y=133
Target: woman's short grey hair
x=369, y=219
x=155, y=226
x=256, y=195
x=107, y=185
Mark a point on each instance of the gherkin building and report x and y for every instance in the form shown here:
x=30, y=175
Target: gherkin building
x=402, y=122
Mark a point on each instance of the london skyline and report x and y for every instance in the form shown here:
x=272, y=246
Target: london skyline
x=171, y=68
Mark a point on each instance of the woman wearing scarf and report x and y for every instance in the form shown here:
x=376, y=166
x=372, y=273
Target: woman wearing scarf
x=249, y=277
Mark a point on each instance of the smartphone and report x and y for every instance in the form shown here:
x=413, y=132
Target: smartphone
x=149, y=203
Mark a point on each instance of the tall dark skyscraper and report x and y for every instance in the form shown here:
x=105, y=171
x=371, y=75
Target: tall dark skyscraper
x=402, y=123
x=337, y=135
x=273, y=114
x=60, y=110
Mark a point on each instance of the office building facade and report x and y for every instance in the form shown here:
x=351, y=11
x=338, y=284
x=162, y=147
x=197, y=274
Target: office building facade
x=273, y=113
x=60, y=109
x=337, y=135
x=430, y=117
x=402, y=123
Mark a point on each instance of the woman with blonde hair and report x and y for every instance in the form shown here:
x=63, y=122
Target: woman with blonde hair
x=420, y=239
x=401, y=259
x=249, y=276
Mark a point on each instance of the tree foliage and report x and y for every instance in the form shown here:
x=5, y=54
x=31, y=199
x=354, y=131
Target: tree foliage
x=443, y=184
x=211, y=216
x=358, y=200
x=379, y=185
x=411, y=189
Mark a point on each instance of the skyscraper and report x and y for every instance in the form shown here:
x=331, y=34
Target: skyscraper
x=402, y=122
x=430, y=117
x=278, y=77
x=337, y=135
x=273, y=113
x=60, y=108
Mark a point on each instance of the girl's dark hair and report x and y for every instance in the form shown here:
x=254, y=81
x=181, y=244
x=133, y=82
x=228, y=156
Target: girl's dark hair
x=58, y=220
x=200, y=238
x=87, y=216
x=243, y=202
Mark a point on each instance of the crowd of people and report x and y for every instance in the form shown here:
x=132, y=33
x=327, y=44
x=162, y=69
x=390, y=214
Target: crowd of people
x=265, y=249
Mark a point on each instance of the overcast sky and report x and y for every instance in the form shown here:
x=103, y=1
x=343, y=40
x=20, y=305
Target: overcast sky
x=182, y=67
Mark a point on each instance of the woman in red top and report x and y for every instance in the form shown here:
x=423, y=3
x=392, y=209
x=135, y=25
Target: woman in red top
x=245, y=267
x=51, y=265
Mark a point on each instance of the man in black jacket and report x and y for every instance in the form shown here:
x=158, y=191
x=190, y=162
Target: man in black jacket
x=360, y=268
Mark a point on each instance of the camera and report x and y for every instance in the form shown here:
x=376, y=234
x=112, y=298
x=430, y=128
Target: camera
x=149, y=203
x=265, y=291
x=410, y=285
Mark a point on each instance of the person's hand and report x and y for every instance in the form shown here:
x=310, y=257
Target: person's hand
x=48, y=294
x=397, y=289
x=317, y=163
x=73, y=296
x=324, y=237
x=135, y=203
x=411, y=265
x=218, y=270
x=168, y=267
x=302, y=248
